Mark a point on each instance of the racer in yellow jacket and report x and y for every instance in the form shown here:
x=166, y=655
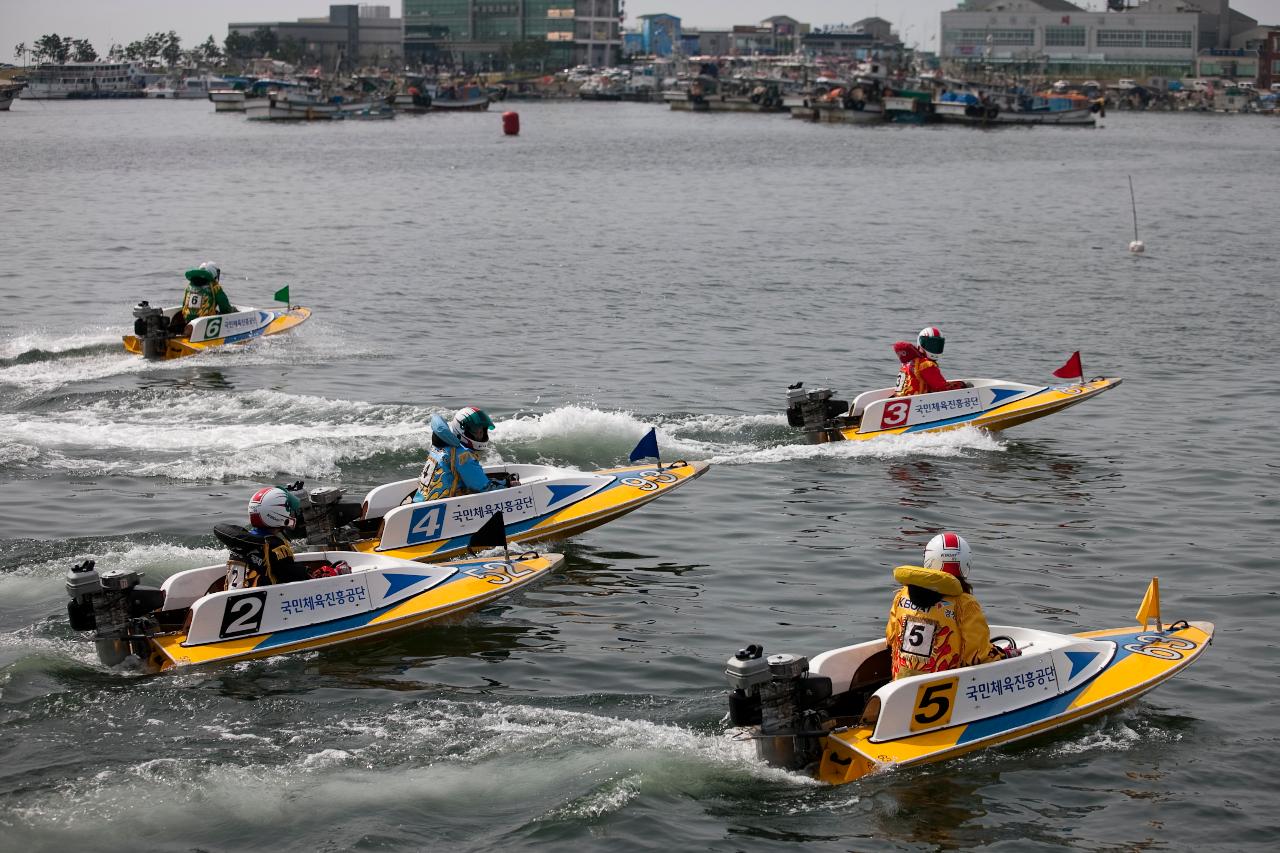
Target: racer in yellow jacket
x=935, y=623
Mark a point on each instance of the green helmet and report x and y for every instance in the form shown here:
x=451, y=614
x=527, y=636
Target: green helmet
x=471, y=426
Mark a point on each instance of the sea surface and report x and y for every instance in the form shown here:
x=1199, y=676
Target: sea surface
x=616, y=267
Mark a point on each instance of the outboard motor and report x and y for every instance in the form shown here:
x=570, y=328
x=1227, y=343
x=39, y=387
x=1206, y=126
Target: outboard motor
x=152, y=327
x=814, y=411
x=784, y=699
x=110, y=604
x=322, y=518
x=325, y=520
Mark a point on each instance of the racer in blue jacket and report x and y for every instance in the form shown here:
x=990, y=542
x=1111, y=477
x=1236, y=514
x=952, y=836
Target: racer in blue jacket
x=452, y=468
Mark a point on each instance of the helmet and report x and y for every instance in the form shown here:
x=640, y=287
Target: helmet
x=272, y=508
x=471, y=426
x=948, y=552
x=931, y=341
x=200, y=277
x=213, y=270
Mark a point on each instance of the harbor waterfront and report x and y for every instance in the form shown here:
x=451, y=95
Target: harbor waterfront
x=618, y=266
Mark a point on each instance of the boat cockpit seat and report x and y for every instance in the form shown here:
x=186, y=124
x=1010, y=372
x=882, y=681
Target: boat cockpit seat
x=866, y=398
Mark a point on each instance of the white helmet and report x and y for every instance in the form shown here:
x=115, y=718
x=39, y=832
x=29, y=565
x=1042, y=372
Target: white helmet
x=931, y=341
x=272, y=508
x=212, y=268
x=471, y=426
x=948, y=552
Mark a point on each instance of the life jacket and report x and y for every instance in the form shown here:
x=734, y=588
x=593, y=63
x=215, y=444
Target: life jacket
x=201, y=301
x=916, y=372
x=439, y=477
x=261, y=558
x=948, y=635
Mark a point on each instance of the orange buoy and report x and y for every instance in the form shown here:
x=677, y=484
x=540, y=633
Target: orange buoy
x=511, y=123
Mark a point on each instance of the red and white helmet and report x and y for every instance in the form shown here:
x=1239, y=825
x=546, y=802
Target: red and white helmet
x=948, y=552
x=931, y=341
x=271, y=508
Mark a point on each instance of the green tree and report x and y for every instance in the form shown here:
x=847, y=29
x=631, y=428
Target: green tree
x=53, y=47
x=529, y=53
x=290, y=50
x=152, y=45
x=171, y=48
x=266, y=42
x=237, y=46
x=20, y=51
x=82, y=51
x=209, y=51
x=116, y=52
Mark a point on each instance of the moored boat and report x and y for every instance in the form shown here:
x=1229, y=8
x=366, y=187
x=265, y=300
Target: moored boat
x=7, y=94
x=1016, y=109
x=290, y=105
x=460, y=97
x=841, y=717
x=51, y=80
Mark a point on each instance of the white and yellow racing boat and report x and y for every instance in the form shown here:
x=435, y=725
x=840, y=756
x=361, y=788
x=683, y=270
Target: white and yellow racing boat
x=153, y=340
x=839, y=717
x=543, y=502
x=992, y=404
x=193, y=619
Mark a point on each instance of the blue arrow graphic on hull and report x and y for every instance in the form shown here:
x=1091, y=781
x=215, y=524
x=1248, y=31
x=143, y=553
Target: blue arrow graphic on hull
x=395, y=583
x=559, y=493
x=1079, y=660
x=1002, y=394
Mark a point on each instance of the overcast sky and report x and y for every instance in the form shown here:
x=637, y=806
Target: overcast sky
x=104, y=22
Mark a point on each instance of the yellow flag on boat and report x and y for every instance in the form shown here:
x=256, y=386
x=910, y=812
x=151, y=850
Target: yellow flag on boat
x=282, y=295
x=1150, y=604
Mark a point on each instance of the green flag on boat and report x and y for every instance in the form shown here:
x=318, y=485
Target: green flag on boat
x=282, y=295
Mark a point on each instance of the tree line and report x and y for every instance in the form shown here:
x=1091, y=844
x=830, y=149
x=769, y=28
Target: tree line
x=166, y=48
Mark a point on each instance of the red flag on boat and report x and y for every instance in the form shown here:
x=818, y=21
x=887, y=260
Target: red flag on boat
x=1072, y=369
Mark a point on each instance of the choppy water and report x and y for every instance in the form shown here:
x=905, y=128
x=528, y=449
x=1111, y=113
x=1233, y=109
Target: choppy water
x=619, y=266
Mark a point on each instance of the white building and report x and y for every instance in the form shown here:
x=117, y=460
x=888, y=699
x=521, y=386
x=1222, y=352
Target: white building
x=1059, y=38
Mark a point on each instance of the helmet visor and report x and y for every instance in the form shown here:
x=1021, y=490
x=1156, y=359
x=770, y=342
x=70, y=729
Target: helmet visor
x=932, y=345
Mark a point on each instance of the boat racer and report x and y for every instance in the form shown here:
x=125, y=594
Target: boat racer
x=935, y=623
x=204, y=296
x=268, y=557
x=919, y=373
x=452, y=468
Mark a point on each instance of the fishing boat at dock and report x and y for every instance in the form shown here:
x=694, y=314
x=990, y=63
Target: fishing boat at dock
x=7, y=94
x=290, y=106
x=88, y=80
x=1016, y=108
x=460, y=97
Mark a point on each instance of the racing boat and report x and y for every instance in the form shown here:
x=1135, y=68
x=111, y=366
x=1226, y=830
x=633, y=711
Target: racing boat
x=992, y=404
x=542, y=502
x=840, y=717
x=153, y=340
x=192, y=618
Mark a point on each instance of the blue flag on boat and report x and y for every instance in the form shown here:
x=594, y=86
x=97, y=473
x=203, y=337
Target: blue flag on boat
x=647, y=447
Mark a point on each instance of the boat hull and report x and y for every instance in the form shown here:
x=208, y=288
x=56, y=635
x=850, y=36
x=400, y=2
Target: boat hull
x=182, y=347
x=1024, y=408
x=1143, y=660
x=468, y=584
x=620, y=491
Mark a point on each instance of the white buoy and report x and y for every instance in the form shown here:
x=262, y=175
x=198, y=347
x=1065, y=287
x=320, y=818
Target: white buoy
x=1136, y=246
